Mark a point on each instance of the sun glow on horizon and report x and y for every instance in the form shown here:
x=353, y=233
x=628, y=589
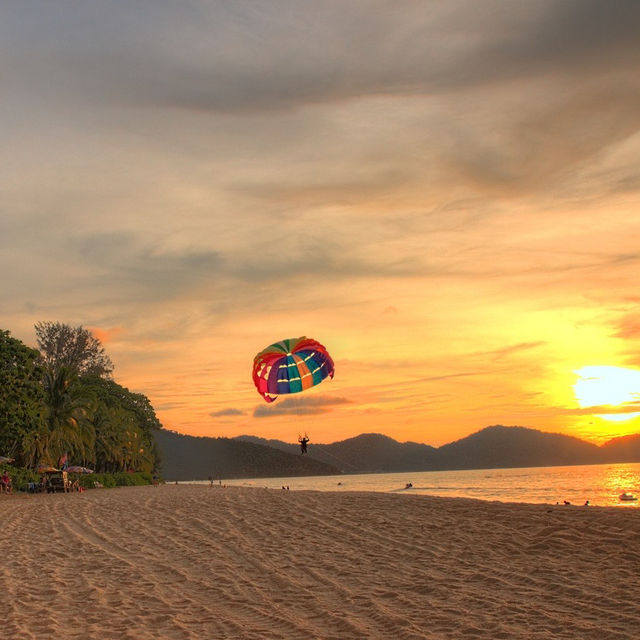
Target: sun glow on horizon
x=606, y=386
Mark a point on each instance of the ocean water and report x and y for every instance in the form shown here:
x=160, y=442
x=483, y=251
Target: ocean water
x=600, y=484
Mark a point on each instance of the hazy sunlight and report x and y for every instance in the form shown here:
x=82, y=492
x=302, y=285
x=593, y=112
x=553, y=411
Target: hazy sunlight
x=600, y=386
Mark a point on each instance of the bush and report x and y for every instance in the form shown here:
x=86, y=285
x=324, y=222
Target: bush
x=109, y=480
x=20, y=477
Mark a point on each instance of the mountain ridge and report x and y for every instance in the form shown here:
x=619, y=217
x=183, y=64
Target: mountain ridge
x=198, y=458
x=496, y=446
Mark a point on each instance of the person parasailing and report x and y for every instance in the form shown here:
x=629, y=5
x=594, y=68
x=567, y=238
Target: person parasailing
x=291, y=366
x=303, y=444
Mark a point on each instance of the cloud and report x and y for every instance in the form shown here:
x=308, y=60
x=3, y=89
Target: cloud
x=629, y=327
x=107, y=334
x=222, y=58
x=600, y=410
x=405, y=179
x=298, y=406
x=498, y=354
x=226, y=412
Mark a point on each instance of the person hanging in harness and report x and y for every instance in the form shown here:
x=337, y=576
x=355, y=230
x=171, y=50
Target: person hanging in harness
x=303, y=444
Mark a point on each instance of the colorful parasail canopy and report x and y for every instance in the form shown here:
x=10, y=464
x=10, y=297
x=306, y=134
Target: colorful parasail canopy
x=290, y=366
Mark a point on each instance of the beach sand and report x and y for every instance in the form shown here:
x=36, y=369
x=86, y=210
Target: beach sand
x=187, y=562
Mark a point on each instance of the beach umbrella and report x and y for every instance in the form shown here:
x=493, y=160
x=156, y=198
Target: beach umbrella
x=4, y=459
x=77, y=469
x=291, y=366
x=46, y=468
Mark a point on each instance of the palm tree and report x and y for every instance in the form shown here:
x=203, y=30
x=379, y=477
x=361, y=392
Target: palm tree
x=67, y=427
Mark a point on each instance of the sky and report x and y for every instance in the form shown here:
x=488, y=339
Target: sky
x=445, y=194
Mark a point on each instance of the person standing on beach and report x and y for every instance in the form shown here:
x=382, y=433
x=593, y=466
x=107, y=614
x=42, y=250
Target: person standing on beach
x=5, y=483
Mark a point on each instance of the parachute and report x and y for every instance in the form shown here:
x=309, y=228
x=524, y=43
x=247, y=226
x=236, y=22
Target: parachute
x=291, y=366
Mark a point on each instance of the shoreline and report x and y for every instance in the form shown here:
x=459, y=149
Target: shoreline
x=192, y=561
x=402, y=492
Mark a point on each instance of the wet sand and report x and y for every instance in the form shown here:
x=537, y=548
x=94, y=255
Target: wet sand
x=194, y=562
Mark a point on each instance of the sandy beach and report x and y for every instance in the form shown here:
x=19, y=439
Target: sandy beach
x=187, y=562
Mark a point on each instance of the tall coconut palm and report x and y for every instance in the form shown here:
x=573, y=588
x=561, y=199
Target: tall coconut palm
x=67, y=427
x=119, y=443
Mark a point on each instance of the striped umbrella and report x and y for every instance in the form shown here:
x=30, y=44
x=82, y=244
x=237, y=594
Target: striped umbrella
x=78, y=469
x=291, y=366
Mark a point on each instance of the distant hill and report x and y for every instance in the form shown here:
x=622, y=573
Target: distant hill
x=500, y=446
x=366, y=453
x=191, y=458
x=275, y=444
x=623, y=449
x=493, y=447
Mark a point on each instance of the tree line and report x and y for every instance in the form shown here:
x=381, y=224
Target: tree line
x=61, y=400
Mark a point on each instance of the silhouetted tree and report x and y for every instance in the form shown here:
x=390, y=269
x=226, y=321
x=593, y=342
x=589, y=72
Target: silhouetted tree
x=62, y=345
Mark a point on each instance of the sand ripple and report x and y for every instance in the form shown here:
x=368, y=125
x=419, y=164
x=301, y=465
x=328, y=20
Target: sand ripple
x=193, y=562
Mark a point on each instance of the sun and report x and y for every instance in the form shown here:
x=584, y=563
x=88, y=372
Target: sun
x=612, y=387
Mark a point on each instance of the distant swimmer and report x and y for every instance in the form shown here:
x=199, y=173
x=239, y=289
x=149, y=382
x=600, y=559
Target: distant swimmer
x=303, y=444
x=408, y=485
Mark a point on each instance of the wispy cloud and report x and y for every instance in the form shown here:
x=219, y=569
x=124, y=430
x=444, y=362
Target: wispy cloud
x=446, y=193
x=226, y=412
x=298, y=406
x=600, y=410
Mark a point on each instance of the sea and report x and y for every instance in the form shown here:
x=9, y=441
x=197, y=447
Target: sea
x=600, y=484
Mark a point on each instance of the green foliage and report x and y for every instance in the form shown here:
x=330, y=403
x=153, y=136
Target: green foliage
x=110, y=480
x=123, y=424
x=68, y=428
x=21, y=395
x=20, y=476
x=63, y=403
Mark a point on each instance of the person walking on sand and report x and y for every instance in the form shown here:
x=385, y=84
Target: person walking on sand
x=303, y=444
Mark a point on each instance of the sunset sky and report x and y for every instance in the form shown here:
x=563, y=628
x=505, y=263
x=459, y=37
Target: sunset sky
x=445, y=194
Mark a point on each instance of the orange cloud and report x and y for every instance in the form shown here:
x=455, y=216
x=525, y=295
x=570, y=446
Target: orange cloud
x=107, y=334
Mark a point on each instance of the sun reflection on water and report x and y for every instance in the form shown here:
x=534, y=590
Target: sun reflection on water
x=619, y=479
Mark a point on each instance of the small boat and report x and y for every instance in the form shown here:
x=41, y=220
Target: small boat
x=629, y=497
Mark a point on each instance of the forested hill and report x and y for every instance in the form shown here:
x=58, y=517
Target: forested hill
x=500, y=446
x=623, y=449
x=187, y=457
x=493, y=447
x=192, y=458
x=368, y=452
